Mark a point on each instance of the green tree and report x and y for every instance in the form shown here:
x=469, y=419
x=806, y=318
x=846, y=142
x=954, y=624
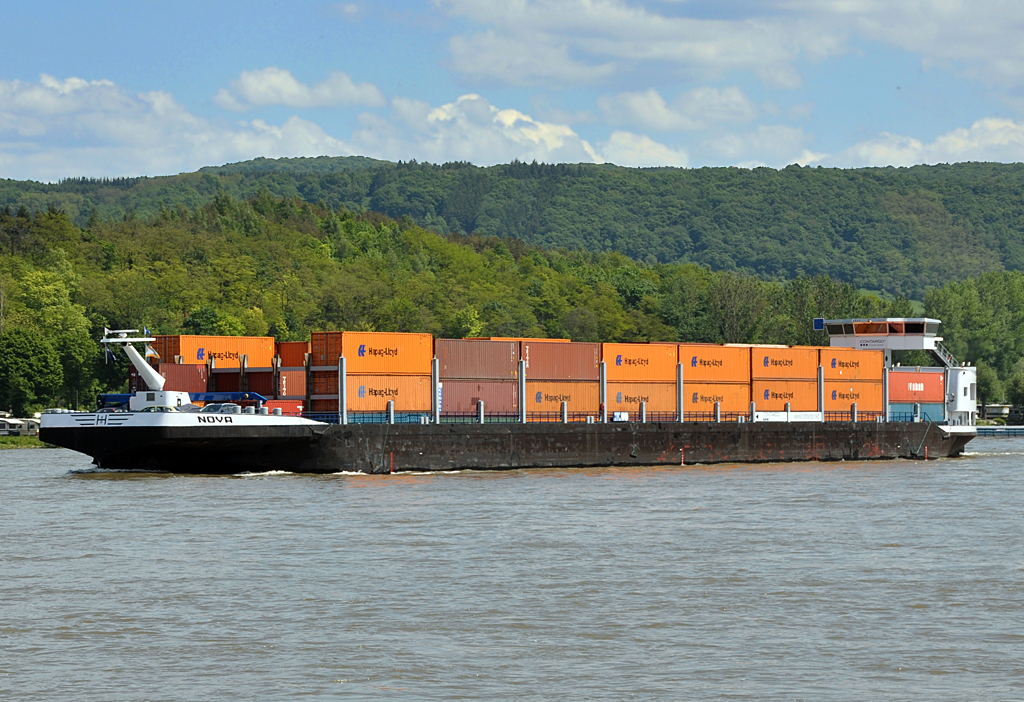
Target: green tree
x=30, y=371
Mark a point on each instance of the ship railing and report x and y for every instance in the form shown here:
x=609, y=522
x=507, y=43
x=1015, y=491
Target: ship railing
x=848, y=416
x=909, y=417
x=945, y=356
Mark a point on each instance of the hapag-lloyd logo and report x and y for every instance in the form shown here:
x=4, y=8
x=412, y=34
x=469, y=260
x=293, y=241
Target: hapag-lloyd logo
x=620, y=361
x=544, y=397
x=377, y=392
x=839, y=395
x=202, y=355
x=382, y=352
x=845, y=364
x=706, y=399
x=770, y=394
x=778, y=362
x=706, y=362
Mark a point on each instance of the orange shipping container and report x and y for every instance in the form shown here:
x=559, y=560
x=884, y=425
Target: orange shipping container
x=227, y=350
x=851, y=364
x=731, y=397
x=386, y=353
x=772, y=395
x=626, y=397
x=291, y=384
x=370, y=393
x=710, y=363
x=912, y=386
x=292, y=353
x=839, y=395
x=793, y=362
x=548, y=395
x=643, y=362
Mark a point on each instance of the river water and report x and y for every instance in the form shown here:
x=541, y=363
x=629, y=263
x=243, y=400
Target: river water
x=825, y=581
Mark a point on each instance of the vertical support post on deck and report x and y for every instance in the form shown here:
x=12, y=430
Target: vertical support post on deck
x=435, y=385
x=679, y=393
x=603, y=377
x=342, y=390
x=522, y=391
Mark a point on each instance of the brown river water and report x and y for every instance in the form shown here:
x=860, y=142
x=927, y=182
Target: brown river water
x=892, y=580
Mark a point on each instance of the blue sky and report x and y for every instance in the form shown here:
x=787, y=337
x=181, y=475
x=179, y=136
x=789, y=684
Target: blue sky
x=118, y=88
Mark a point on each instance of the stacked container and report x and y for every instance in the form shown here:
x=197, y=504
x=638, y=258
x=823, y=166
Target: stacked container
x=291, y=370
x=853, y=375
x=227, y=351
x=560, y=371
x=911, y=386
x=474, y=370
x=781, y=374
x=380, y=367
x=641, y=373
x=715, y=373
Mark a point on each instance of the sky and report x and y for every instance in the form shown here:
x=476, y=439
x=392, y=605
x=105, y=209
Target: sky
x=115, y=88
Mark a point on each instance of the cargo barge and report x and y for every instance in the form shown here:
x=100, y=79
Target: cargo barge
x=163, y=431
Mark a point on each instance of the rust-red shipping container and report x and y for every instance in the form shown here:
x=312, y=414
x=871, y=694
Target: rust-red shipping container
x=499, y=396
x=910, y=385
x=784, y=363
x=324, y=405
x=467, y=359
x=292, y=353
x=731, y=397
x=626, y=397
x=226, y=382
x=292, y=407
x=772, y=395
x=184, y=378
x=851, y=364
x=639, y=362
x=548, y=395
x=715, y=363
x=546, y=360
x=325, y=348
x=841, y=394
x=261, y=382
x=324, y=382
x=292, y=384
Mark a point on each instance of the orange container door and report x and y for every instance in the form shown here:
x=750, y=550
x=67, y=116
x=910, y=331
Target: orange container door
x=639, y=362
x=380, y=353
x=911, y=386
x=851, y=364
x=370, y=393
x=708, y=363
x=293, y=384
x=548, y=395
x=772, y=395
x=731, y=397
x=792, y=363
x=839, y=395
x=626, y=397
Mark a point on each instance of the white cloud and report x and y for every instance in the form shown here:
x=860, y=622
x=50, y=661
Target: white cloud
x=989, y=139
x=767, y=145
x=277, y=86
x=627, y=149
x=54, y=129
x=489, y=56
x=698, y=109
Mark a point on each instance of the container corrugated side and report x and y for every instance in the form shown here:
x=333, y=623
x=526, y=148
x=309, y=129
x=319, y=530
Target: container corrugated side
x=785, y=363
x=227, y=350
x=325, y=347
x=370, y=393
x=733, y=398
x=467, y=359
x=912, y=386
x=548, y=395
x=184, y=378
x=385, y=353
x=292, y=384
x=293, y=353
x=292, y=407
x=323, y=382
x=714, y=363
x=547, y=360
x=772, y=395
x=640, y=362
x=841, y=394
x=626, y=397
x=226, y=382
x=851, y=364
x=499, y=396
x=262, y=383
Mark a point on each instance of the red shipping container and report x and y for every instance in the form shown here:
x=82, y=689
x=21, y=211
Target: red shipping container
x=325, y=347
x=546, y=360
x=290, y=407
x=918, y=387
x=499, y=396
x=484, y=360
x=226, y=382
x=324, y=382
x=292, y=384
x=292, y=353
x=262, y=382
x=322, y=405
x=184, y=378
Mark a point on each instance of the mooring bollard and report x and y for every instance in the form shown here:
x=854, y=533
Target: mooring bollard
x=643, y=412
x=391, y=411
x=718, y=412
x=853, y=411
x=480, y=411
x=565, y=412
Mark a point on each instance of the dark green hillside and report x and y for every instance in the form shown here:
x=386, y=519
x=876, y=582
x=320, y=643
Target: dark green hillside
x=900, y=231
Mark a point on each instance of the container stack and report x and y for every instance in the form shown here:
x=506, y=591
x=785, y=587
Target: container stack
x=641, y=373
x=380, y=367
x=781, y=374
x=560, y=371
x=715, y=373
x=916, y=385
x=475, y=370
x=853, y=376
x=291, y=370
x=236, y=363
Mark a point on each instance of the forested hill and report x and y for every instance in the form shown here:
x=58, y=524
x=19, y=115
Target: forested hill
x=894, y=230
